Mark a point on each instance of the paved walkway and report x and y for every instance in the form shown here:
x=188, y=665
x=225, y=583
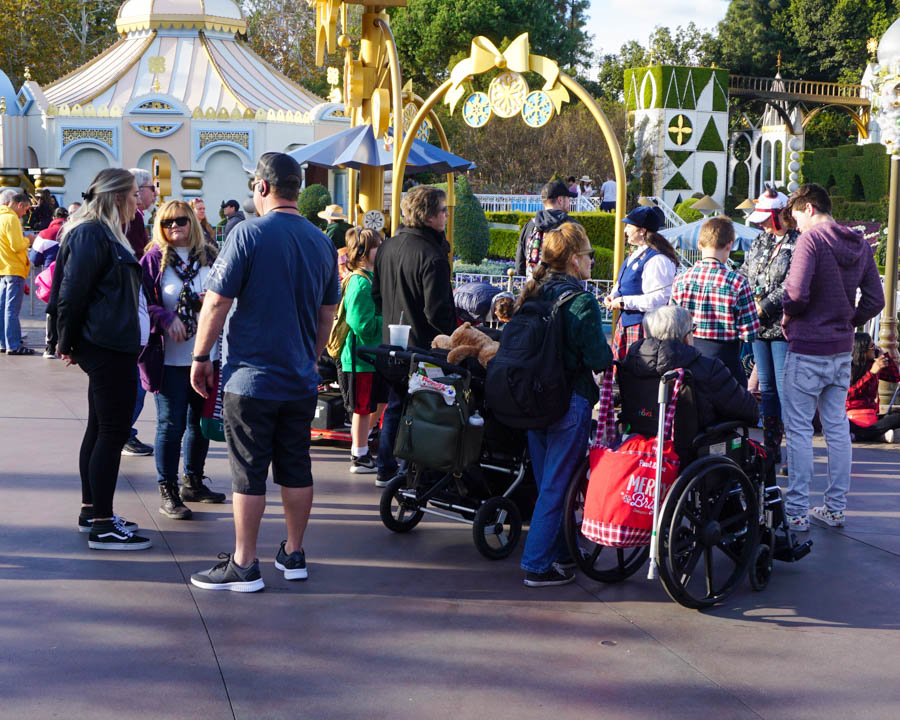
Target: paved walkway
x=403, y=626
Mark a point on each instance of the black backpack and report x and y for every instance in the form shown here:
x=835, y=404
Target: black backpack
x=527, y=385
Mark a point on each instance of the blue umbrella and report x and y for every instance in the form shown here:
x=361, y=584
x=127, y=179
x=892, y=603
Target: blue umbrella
x=685, y=237
x=357, y=147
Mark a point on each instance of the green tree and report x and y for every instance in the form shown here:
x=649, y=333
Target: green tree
x=471, y=236
x=312, y=201
x=430, y=34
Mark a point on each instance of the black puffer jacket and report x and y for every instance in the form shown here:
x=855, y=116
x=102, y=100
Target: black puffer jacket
x=412, y=278
x=716, y=394
x=96, y=282
x=766, y=267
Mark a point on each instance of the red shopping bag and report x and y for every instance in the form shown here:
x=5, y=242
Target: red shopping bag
x=618, y=507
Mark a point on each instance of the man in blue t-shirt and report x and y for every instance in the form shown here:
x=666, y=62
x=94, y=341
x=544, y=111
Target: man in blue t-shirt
x=280, y=274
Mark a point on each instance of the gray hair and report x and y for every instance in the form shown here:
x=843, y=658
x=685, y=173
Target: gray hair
x=669, y=322
x=7, y=196
x=141, y=176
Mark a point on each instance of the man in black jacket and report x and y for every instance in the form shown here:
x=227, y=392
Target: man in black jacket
x=412, y=280
x=555, y=197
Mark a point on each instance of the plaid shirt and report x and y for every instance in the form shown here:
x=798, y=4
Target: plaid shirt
x=719, y=300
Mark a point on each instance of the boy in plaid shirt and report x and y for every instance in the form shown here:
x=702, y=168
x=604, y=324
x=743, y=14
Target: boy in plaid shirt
x=718, y=298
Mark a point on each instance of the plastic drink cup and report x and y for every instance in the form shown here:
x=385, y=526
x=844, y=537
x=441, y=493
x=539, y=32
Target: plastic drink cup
x=399, y=335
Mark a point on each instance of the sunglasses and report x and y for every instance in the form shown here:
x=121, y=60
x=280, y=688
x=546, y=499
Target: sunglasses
x=179, y=221
x=589, y=253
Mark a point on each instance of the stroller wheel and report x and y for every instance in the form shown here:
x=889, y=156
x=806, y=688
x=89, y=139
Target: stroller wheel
x=399, y=513
x=761, y=567
x=497, y=528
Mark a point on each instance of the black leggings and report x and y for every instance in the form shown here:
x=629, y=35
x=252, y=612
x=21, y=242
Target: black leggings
x=111, y=392
x=873, y=433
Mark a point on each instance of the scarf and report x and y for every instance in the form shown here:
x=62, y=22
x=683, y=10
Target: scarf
x=188, y=304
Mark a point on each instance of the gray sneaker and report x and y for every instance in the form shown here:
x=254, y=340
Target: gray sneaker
x=226, y=575
x=829, y=517
x=294, y=565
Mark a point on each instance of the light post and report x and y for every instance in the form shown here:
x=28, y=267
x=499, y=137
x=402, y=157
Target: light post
x=887, y=334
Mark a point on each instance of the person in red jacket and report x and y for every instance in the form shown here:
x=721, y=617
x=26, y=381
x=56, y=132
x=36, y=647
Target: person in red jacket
x=870, y=366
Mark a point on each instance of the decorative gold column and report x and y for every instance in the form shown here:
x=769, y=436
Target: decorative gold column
x=887, y=336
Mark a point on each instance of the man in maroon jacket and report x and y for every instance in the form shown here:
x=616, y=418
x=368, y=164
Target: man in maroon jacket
x=830, y=263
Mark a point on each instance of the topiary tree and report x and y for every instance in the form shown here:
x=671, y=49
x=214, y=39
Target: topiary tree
x=312, y=201
x=471, y=236
x=685, y=210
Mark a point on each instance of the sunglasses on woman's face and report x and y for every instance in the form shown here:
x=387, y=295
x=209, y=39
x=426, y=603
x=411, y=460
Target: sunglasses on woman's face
x=179, y=221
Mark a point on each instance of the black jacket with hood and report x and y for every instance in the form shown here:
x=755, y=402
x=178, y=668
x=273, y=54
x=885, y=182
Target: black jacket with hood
x=412, y=278
x=716, y=394
x=544, y=220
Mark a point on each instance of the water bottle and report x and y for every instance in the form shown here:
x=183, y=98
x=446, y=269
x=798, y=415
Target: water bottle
x=476, y=420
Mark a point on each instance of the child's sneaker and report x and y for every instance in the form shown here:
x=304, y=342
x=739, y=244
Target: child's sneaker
x=362, y=464
x=798, y=523
x=829, y=517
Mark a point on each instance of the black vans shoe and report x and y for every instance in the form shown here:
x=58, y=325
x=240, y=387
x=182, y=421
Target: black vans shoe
x=229, y=576
x=294, y=565
x=554, y=576
x=86, y=521
x=111, y=535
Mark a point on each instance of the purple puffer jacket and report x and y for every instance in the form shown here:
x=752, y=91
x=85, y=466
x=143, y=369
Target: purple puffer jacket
x=830, y=262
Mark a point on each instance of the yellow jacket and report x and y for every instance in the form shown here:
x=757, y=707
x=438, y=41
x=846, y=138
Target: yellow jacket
x=13, y=244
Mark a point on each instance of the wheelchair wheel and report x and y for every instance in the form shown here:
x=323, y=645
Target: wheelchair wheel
x=497, y=528
x=598, y=562
x=709, y=532
x=398, y=513
x=761, y=567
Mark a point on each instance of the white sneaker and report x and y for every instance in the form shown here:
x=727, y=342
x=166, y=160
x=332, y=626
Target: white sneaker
x=50, y=356
x=833, y=518
x=889, y=436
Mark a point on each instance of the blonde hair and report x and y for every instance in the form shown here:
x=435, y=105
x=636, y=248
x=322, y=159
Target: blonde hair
x=198, y=245
x=557, y=249
x=716, y=233
x=101, y=205
x=360, y=242
x=420, y=204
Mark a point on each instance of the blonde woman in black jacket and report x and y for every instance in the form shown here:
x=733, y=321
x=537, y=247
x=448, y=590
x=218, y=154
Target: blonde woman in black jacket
x=97, y=288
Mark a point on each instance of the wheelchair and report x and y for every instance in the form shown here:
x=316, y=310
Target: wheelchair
x=721, y=521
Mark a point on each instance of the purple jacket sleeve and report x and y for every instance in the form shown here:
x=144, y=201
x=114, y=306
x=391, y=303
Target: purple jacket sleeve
x=871, y=300
x=160, y=318
x=797, y=282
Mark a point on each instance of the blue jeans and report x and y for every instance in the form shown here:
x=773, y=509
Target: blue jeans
x=769, y=356
x=390, y=422
x=811, y=381
x=12, y=290
x=138, y=403
x=555, y=454
x=178, y=411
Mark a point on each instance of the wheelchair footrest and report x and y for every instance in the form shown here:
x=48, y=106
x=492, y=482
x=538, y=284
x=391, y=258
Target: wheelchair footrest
x=791, y=551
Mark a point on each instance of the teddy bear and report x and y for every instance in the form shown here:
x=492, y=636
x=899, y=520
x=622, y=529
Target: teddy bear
x=467, y=341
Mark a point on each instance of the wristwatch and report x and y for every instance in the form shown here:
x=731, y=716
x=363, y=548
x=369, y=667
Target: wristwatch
x=200, y=358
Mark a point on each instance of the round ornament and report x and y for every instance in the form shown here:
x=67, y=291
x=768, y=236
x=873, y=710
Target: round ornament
x=538, y=109
x=424, y=131
x=373, y=220
x=477, y=110
x=507, y=94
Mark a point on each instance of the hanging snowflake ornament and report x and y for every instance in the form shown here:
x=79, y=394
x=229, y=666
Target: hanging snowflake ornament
x=507, y=94
x=477, y=110
x=538, y=109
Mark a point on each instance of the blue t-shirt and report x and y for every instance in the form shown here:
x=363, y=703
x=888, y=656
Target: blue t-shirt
x=280, y=269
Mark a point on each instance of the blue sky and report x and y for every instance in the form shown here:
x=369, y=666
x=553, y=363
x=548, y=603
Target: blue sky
x=614, y=22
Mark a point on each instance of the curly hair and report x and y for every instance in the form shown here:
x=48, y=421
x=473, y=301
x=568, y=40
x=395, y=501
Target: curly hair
x=420, y=204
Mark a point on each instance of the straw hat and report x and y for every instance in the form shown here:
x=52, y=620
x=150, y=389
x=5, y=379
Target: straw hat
x=585, y=178
x=333, y=212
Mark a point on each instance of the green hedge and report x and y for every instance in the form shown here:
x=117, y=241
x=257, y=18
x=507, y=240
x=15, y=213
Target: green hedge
x=850, y=167
x=685, y=210
x=503, y=244
x=843, y=209
x=603, y=263
x=600, y=226
x=680, y=91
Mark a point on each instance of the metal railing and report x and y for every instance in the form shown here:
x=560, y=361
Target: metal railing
x=814, y=90
x=672, y=218
x=531, y=203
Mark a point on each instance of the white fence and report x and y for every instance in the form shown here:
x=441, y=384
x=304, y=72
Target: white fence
x=531, y=203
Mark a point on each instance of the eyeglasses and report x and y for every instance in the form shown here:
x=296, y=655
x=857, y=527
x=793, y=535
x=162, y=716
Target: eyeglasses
x=181, y=221
x=588, y=253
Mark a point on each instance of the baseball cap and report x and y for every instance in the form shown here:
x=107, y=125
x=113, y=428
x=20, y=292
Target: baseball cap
x=278, y=169
x=555, y=189
x=231, y=203
x=649, y=218
x=768, y=204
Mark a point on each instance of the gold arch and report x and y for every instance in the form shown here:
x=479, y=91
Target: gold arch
x=861, y=126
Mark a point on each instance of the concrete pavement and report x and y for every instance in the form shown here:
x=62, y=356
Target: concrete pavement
x=403, y=626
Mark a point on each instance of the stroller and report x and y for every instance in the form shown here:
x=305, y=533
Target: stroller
x=493, y=493
x=722, y=520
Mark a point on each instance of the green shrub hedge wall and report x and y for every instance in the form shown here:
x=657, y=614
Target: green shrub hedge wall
x=849, y=166
x=600, y=226
x=685, y=210
x=503, y=244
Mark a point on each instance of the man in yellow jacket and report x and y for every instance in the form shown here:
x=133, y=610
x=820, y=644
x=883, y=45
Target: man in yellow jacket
x=13, y=271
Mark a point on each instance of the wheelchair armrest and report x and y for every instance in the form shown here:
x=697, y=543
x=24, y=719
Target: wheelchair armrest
x=713, y=433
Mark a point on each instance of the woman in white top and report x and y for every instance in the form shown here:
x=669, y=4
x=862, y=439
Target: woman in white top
x=175, y=268
x=585, y=189
x=645, y=278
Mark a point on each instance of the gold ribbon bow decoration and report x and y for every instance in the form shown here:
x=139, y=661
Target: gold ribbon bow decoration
x=326, y=26
x=518, y=58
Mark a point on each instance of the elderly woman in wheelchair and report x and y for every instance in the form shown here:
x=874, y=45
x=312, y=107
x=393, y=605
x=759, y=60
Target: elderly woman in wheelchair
x=722, y=516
